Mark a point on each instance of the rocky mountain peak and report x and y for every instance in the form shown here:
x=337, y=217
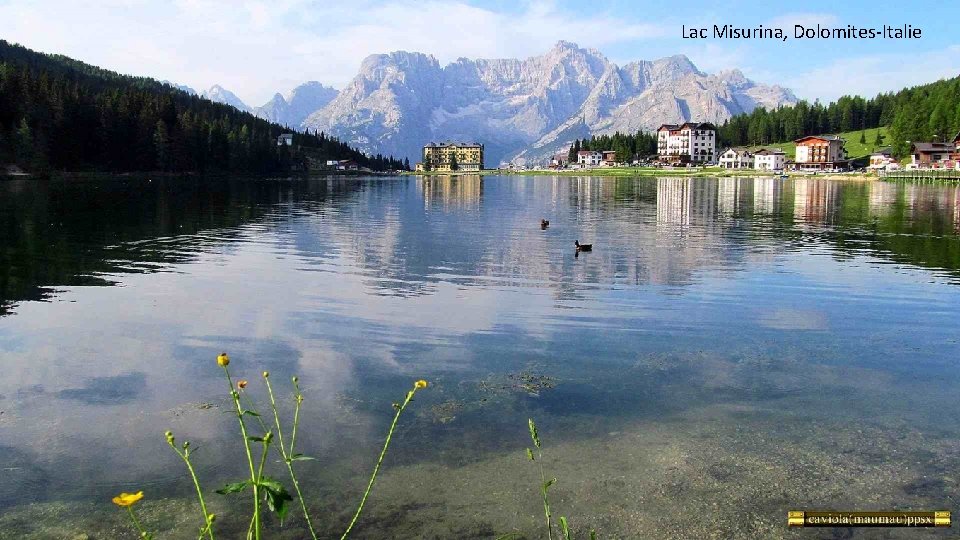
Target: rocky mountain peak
x=220, y=94
x=734, y=77
x=399, y=60
x=293, y=109
x=676, y=66
x=523, y=109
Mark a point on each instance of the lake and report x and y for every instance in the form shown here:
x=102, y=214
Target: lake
x=731, y=349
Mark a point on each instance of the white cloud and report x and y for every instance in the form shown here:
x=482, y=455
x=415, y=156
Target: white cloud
x=871, y=74
x=256, y=48
x=710, y=57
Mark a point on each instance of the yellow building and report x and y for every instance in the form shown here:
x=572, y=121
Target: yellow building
x=453, y=157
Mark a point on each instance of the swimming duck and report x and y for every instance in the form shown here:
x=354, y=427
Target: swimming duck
x=544, y=224
x=583, y=247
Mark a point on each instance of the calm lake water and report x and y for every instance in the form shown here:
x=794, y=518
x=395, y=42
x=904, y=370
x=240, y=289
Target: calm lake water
x=730, y=350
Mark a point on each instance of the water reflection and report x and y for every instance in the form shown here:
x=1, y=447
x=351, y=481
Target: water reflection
x=452, y=191
x=71, y=233
x=755, y=298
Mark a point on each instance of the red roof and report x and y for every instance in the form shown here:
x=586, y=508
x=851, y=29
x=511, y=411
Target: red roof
x=818, y=138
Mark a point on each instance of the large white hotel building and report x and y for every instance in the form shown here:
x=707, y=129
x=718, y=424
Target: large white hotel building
x=691, y=142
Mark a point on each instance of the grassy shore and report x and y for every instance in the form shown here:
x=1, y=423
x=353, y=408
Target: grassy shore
x=855, y=149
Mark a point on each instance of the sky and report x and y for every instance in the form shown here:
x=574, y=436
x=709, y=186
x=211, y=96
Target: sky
x=258, y=48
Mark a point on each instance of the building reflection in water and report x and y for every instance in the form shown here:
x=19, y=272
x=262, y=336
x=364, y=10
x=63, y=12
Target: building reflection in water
x=815, y=200
x=766, y=195
x=449, y=192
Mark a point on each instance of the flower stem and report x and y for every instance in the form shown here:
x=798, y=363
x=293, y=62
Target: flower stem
x=373, y=477
x=288, y=458
x=543, y=491
x=296, y=414
x=246, y=446
x=249, y=407
x=263, y=457
x=136, y=523
x=185, y=456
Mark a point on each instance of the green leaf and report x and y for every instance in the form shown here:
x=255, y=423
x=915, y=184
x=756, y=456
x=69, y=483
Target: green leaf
x=564, y=528
x=276, y=497
x=530, y=454
x=300, y=457
x=235, y=487
x=593, y=534
x=251, y=413
x=255, y=438
x=549, y=483
x=271, y=484
x=533, y=433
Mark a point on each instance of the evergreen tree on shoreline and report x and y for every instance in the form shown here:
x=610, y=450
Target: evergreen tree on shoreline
x=926, y=112
x=60, y=114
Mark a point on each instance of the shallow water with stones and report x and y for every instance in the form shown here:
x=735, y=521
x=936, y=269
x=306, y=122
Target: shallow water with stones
x=731, y=349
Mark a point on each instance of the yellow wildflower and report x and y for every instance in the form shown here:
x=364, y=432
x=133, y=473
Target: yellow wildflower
x=266, y=374
x=223, y=359
x=420, y=384
x=127, y=499
x=241, y=384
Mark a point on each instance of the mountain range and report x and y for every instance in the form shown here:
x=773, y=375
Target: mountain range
x=522, y=110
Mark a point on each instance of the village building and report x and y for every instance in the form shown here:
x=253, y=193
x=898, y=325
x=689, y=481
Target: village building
x=691, y=142
x=589, y=158
x=285, y=139
x=453, y=157
x=559, y=160
x=932, y=154
x=883, y=159
x=736, y=158
x=767, y=159
x=955, y=156
x=609, y=158
x=821, y=153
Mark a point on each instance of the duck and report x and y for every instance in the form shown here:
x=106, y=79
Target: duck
x=544, y=224
x=583, y=247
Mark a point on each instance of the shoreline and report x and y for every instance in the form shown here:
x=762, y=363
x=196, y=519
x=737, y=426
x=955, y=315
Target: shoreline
x=632, y=172
x=189, y=174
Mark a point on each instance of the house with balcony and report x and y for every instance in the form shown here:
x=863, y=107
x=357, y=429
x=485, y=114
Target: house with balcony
x=821, y=153
x=932, y=155
x=883, y=159
x=736, y=158
x=688, y=143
